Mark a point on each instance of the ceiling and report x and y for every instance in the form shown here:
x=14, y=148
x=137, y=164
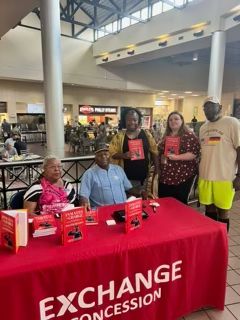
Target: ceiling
x=80, y=14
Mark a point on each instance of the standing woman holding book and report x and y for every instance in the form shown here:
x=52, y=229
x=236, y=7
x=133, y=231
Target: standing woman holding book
x=179, y=153
x=134, y=148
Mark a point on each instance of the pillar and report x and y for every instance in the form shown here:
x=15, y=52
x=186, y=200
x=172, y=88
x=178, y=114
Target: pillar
x=52, y=74
x=216, y=69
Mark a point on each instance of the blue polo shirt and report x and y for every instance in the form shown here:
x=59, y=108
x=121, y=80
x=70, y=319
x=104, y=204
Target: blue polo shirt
x=104, y=187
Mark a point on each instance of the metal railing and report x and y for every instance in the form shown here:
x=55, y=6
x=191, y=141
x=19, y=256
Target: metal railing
x=19, y=175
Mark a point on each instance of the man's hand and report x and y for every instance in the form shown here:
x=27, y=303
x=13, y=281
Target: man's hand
x=236, y=183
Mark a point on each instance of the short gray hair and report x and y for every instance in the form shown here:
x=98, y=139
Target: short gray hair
x=48, y=159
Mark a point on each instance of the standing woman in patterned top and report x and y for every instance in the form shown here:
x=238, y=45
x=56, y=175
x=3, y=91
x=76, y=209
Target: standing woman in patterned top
x=178, y=159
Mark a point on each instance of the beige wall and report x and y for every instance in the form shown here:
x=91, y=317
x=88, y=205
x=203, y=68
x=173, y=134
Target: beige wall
x=19, y=93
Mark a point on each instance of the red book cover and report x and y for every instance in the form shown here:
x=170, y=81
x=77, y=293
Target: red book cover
x=91, y=217
x=45, y=221
x=10, y=231
x=44, y=225
x=73, y=223
x=136, y=148
x=172, y=145
x=133, y=215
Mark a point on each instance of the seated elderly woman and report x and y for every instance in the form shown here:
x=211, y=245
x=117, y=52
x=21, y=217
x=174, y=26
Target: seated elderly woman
x=8, y=151
x=50, y=193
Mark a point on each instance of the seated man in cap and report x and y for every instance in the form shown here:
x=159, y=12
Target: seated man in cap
x=105, y=183
x=219, y=171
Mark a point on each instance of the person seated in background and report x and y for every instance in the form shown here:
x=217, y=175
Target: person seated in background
x=50, y=190
x=19, y=145
x=8, y=151
x=105, y=183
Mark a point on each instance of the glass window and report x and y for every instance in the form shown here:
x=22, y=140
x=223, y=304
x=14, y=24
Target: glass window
x=100, y=33
x=156, y=8
x=136, y=14
x=179, y=3
x=109, y=27
x=166, y=7
x=144, y=13
x=115, y=26
x=125, y=22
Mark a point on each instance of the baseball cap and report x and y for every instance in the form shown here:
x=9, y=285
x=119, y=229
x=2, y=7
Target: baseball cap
x=212, y=99
x=102, y=147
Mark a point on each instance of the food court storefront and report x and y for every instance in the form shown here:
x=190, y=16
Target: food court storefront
x=106, y=114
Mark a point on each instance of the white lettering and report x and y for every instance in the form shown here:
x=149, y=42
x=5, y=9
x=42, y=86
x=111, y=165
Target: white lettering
x=140, y=278
x=67, y=303
x=44, y=308
x=176, y=276
x=126, y=286
x=109, y=291
x=165, y=275
x=81, y=302
x=106, y=314
x=117, y=308
x=85, y=316
x=147, y=301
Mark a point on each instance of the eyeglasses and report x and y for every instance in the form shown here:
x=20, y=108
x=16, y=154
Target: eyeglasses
x=55, y=167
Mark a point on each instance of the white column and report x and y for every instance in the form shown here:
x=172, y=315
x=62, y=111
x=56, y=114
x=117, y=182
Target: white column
x=216, y=69
x=52, y=71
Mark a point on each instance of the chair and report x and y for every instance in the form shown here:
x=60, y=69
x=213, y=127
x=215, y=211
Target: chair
x=193, y=196
x=16, y=200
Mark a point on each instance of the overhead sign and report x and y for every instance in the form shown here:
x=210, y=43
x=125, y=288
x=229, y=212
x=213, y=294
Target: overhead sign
x=86, y=109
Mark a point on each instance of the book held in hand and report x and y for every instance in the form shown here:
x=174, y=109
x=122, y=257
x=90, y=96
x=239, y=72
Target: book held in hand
x=73, y=225
x=14, y=229
x=44, y=225
x=172, y=145
x=133, y=215
x=135, y=146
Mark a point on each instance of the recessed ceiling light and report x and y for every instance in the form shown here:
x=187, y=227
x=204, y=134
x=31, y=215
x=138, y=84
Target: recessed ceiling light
x=165, y=91
x=195, y=95
x=195, y=56
x=173, y=94
x=187, y=91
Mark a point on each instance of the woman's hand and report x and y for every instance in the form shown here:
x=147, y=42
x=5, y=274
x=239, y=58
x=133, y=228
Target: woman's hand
x=173, y=157
x=127, y=155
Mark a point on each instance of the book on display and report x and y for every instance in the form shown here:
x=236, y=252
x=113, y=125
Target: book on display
x=133, y=215
x=73, y=225
x=14, y=229
x=44, y=225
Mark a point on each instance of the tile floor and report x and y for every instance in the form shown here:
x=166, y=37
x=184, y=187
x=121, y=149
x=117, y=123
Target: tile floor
x=232, y=299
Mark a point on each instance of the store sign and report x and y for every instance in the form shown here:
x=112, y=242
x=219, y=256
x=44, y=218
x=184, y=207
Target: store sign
x=85, y=109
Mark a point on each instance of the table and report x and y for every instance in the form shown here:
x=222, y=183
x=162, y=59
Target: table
x=172, y=266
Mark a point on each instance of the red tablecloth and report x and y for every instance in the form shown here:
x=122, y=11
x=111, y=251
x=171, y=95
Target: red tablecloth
x=172, y=266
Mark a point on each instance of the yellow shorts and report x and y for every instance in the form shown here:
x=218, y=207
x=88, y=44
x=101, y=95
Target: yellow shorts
x=219, y=193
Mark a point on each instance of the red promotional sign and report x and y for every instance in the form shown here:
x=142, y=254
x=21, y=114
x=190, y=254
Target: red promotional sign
x=86, y=109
